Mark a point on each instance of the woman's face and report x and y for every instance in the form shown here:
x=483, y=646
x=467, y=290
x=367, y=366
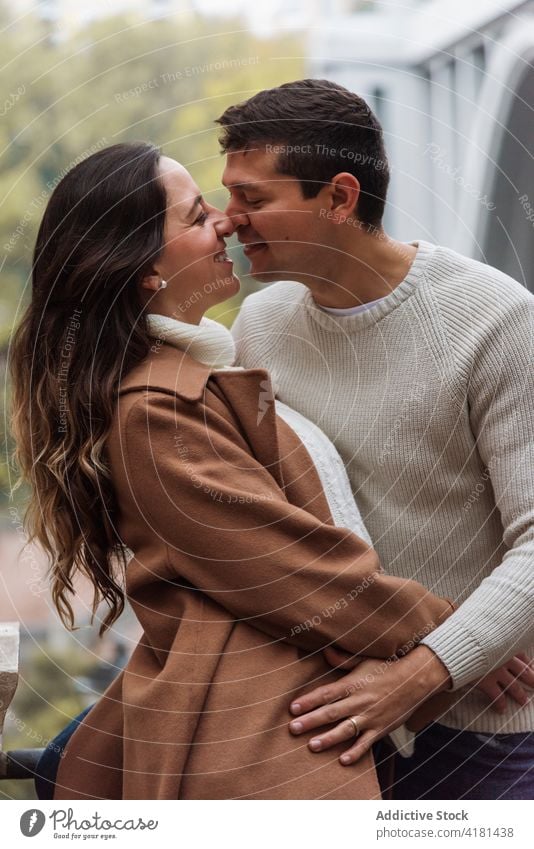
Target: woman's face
x=193, y=262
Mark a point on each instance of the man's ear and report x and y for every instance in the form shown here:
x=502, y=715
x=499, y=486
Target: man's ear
x=344, y=194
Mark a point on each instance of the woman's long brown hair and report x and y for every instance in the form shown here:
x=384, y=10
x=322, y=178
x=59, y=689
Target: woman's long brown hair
x=82, y=331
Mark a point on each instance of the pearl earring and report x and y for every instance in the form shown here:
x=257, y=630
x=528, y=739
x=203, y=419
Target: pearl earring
x=162, y=284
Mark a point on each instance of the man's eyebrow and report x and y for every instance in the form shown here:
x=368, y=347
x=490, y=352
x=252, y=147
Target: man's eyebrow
x=197, y=200
x=246, y=186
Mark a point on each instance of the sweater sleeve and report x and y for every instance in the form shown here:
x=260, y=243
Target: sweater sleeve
x=231, y=532
x=497, y=619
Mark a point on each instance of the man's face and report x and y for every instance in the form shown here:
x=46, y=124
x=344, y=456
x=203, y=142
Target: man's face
x=281, y=230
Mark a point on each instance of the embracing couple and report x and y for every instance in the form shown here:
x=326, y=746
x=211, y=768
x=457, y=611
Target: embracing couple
x=324, y=520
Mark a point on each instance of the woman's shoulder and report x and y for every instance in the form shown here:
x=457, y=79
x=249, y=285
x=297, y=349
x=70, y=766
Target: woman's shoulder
x=214, y=412
x=169, y=385
x=167, y=370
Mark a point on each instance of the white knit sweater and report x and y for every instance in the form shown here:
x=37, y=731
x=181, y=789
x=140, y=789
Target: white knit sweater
x=429, y=398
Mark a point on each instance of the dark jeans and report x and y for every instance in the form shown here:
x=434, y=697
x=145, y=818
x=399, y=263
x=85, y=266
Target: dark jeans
x=452, y=764
x=45, y=777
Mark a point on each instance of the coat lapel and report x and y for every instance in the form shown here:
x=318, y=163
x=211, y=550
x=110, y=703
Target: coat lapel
x=167, y=369
x=251, y=392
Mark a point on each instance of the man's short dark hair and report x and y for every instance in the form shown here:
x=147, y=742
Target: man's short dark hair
x=320, y=129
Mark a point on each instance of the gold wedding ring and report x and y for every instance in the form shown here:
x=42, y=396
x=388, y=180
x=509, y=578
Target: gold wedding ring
x=354, y=725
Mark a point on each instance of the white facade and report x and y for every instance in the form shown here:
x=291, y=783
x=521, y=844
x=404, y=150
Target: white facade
x=453, y=86
x=68, y=17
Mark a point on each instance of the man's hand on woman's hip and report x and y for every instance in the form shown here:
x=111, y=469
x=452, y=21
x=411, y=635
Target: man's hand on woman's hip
x=378, y=695
x=372, y=700
x=508, y=680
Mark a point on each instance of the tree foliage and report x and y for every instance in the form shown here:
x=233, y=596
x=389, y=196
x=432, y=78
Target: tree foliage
x=67, y=94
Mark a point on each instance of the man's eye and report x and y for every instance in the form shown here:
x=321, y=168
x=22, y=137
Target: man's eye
x=253, y=202
x=201, y=218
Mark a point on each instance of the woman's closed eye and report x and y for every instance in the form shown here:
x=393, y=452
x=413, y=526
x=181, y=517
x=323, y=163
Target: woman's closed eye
x=202, y=217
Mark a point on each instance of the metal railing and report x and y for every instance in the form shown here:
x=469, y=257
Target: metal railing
x=19, y=763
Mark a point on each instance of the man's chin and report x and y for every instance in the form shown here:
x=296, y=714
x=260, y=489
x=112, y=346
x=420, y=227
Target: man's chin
x=263, y=274
x=266, y=276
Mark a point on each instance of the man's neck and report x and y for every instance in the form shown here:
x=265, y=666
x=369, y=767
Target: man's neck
x=371, y=270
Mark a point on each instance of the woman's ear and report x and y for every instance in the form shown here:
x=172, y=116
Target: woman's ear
x=151, y=282
x=345, y=189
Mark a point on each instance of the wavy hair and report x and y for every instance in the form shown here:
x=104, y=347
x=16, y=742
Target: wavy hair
x=82, y=332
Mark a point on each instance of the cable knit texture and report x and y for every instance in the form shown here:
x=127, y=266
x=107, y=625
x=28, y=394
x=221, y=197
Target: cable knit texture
x=428, y=397
x=208, y=342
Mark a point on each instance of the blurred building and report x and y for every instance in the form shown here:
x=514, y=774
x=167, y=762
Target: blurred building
x=453, y=85
x=66, y=17
x=25, y=597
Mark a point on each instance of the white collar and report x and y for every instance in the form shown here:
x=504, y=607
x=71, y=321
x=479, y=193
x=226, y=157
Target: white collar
x=208, y=342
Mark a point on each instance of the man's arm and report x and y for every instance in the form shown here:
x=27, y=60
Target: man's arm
x=496, y=620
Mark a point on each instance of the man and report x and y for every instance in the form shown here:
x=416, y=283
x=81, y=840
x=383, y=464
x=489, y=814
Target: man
x=417, y=362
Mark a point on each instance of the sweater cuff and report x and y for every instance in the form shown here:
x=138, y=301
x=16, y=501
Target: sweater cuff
x=459, y=651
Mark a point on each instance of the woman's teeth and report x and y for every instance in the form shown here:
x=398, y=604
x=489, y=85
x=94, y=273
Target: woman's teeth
x=222, y=257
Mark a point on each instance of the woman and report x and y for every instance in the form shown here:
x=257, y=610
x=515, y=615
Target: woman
x=136, y=434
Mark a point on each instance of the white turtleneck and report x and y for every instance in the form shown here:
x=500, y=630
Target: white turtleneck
x=208, y=342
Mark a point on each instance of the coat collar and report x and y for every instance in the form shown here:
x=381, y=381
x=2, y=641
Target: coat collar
x=169, y=370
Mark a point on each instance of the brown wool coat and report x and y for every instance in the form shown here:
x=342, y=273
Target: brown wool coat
x=239, y=579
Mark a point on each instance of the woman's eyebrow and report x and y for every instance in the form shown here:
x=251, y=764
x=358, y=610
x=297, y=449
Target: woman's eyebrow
x=197, y=200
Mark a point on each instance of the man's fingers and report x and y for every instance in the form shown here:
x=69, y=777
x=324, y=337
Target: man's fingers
x=498, y=701
x=341, y=659
x=513, y=688
x=495, y=695
x=522, y=670
x=358, y=750
x=320, y=696
x=346, y=730
x=517, y=693
x=322, y=716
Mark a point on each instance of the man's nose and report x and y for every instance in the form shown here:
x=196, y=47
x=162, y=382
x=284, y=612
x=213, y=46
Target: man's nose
x=237, y=214
x=224, y=226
